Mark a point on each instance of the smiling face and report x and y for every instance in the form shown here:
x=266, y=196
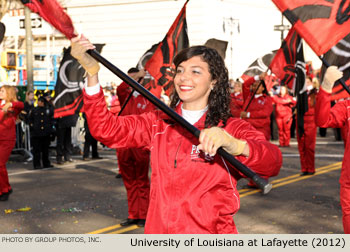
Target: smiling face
x=193, y=83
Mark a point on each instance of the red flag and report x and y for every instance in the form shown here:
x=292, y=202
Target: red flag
x=322, y=23
x=53, y=13
x=160, y=66
x=283, y=64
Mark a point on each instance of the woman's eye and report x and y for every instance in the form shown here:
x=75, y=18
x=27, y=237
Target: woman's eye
x=179, y=70
x=196, y=72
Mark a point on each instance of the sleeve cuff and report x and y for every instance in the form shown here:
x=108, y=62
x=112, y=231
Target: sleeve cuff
x=92, y=90
x=256, y=77
x=248, y=114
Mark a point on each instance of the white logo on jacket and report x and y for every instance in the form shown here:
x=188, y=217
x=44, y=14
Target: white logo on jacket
x=199, y=156
x=262, y=102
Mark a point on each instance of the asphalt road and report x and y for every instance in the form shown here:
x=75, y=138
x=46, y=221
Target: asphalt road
x=85, y=197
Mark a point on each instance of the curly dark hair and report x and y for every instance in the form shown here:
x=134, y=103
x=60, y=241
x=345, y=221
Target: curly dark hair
x=219, y=97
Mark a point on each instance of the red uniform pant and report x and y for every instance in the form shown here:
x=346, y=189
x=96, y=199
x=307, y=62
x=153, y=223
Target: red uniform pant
x=345, y=206
x=344, y=134
x=5, y=152
x=307, y=144
x=134, y=165
x=284, y=123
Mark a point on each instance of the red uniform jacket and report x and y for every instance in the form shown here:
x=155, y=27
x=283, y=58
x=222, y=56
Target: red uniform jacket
x=236, y=104
x=190, y=192
x=8, y=121
x=335, y=117
x=260, y=109
x=115, y=105
x=123, y=91
x=283, y=105
x=137, y=105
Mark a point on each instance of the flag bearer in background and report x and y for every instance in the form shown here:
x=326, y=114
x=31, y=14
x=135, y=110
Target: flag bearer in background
x=284, y=103
x=192, y=190
x=134, y=162
x=9, y=110
x=307, y=141
x=336, y=117
x=258, y=112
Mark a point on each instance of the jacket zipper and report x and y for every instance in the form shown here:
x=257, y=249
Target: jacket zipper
x=177, y=151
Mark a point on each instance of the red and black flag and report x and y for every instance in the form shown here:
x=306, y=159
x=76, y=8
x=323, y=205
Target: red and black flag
x=160, y=65
x=68, y=98
x=322, y=23
x=339, y=55
x=53, y=13
x=283, y=64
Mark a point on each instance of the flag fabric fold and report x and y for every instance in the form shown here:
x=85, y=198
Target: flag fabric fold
x=339, y=55
x=300, y=90
x=53, y=13
x=160, y=65
x=259, y=66
x=68, y=98
x=283, y=64
x=322, y=23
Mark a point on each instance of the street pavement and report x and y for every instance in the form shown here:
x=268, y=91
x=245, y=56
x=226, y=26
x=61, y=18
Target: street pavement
x=85, y=197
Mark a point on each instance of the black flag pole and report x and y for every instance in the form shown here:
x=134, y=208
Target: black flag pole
x=340, y=80
x=128, y=99
x=126, y=102
x=251, y=98
x=260, y=182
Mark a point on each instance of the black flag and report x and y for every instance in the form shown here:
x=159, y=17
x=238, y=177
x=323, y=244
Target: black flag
x=68, y=98
x=300, y=89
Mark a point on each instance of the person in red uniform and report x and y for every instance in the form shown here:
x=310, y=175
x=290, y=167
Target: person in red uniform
x=191, y=190
x=134, y=162
x=257, y=109
x=9, y=110
x=260, y=108
x=336, y=117
x=236, y=99
x=284, y=103
x=307, y=141
x=124, y=90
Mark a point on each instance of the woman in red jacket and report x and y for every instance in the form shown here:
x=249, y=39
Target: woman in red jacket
x=284, y=103
x=191, y=189
x=307, y=141
x=9, y=110
x=337, y=116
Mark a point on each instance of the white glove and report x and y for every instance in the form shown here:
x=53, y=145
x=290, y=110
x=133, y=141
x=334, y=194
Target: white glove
x=330, y=77
x=79, y=47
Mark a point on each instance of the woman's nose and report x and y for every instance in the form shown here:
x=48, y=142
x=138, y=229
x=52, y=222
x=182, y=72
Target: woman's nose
x=184, y=76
